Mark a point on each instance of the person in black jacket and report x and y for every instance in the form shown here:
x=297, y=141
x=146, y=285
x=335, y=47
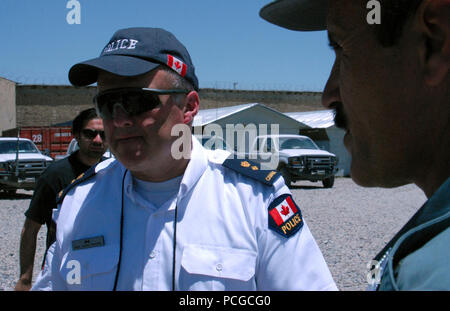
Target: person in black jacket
x=87, y=129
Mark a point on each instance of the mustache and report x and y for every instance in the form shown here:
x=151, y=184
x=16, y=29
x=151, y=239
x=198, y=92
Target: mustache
x=340, y=119
x=98, y=144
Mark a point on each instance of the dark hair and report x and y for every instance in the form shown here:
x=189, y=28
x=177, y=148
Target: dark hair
x=82, y=118
x=394, y=15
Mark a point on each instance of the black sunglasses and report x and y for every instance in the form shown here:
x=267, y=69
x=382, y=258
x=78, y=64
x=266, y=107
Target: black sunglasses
x=133, y=101
x=91, y=134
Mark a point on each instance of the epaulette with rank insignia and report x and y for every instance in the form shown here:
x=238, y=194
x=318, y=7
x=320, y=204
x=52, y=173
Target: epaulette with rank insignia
x=86, y=175
x=253, y=170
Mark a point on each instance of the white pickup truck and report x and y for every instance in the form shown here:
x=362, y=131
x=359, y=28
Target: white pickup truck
x=21, y=164
x=296, y=157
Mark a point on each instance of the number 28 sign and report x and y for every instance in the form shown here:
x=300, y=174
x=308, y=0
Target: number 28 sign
x=37, y=138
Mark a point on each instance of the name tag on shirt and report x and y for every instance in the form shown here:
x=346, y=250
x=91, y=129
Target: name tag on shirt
x=88, y=243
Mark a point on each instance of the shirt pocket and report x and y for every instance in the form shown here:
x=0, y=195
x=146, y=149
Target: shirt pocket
x=90, y=269
x=217, y=268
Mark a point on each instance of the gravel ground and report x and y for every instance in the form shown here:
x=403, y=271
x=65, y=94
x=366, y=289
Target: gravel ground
x=350, y=224
x=11, y=223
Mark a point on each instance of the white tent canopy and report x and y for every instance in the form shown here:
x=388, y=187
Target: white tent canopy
x=314, y=119
x=208, y=116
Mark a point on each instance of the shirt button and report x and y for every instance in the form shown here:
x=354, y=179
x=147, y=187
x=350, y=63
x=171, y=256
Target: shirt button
x=219, y=267
x=152, y=254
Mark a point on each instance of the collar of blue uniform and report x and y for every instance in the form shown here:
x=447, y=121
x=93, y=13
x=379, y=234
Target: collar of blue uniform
x=436, y=206
x=431, y=219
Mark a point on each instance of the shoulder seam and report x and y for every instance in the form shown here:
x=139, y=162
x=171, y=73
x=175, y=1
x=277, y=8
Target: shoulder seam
x=252, y=170
x=83, y=177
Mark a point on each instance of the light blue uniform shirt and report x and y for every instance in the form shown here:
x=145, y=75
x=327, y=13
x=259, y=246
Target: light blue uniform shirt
x=426, y=265
x=223, y=241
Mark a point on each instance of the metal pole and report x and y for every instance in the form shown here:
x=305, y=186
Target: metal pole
x=17, y=154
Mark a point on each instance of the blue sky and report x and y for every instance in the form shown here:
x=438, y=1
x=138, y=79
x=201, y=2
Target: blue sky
x=229, y=43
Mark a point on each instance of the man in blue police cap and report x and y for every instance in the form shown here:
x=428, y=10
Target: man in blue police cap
x=152, y=220
x=390, y=89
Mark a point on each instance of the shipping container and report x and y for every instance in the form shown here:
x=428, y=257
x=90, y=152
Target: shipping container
x=50, y=140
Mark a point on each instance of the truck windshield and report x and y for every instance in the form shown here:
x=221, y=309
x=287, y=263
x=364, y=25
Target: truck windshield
x=297, y=143
x=10, y=146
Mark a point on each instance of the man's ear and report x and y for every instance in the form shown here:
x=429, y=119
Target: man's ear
x=191, y=107
x=434, y=25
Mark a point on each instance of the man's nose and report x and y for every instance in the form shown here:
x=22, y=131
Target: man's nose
x=331, y=93
x=121, y=117
x=98, y=139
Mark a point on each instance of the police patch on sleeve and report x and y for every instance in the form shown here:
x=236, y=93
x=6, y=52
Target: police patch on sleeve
x=285, y=217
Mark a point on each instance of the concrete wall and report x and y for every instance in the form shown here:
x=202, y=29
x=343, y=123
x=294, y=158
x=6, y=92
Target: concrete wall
x=46, y=105
x=7, y=104
x=278, y=100
x=42, y=105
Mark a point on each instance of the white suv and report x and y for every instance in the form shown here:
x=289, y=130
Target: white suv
x=21, y=164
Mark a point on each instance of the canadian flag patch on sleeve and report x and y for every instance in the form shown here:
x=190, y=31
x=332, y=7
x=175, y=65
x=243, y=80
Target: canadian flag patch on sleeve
x=285, y=217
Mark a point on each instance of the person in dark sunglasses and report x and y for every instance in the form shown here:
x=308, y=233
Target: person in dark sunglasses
x=154, y=220
x=91, y=141
x=91, y=134
x=87, y=129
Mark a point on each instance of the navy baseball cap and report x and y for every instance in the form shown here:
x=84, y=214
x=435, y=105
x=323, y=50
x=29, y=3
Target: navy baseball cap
x=306, y=15
x=135, y=51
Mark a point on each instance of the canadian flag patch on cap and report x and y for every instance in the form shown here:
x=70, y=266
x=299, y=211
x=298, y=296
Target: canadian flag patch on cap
x=284, y=216
x=176, y=65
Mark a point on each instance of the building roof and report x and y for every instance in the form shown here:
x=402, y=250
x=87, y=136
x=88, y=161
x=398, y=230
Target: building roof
x=314, y=119
x=208, y=116
x=11, y=81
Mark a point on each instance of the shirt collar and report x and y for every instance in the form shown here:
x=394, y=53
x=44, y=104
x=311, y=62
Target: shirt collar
x=194, y=170
x=439, y=203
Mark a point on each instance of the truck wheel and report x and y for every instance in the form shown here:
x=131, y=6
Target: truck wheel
x=328, y=182
x=287, y=177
